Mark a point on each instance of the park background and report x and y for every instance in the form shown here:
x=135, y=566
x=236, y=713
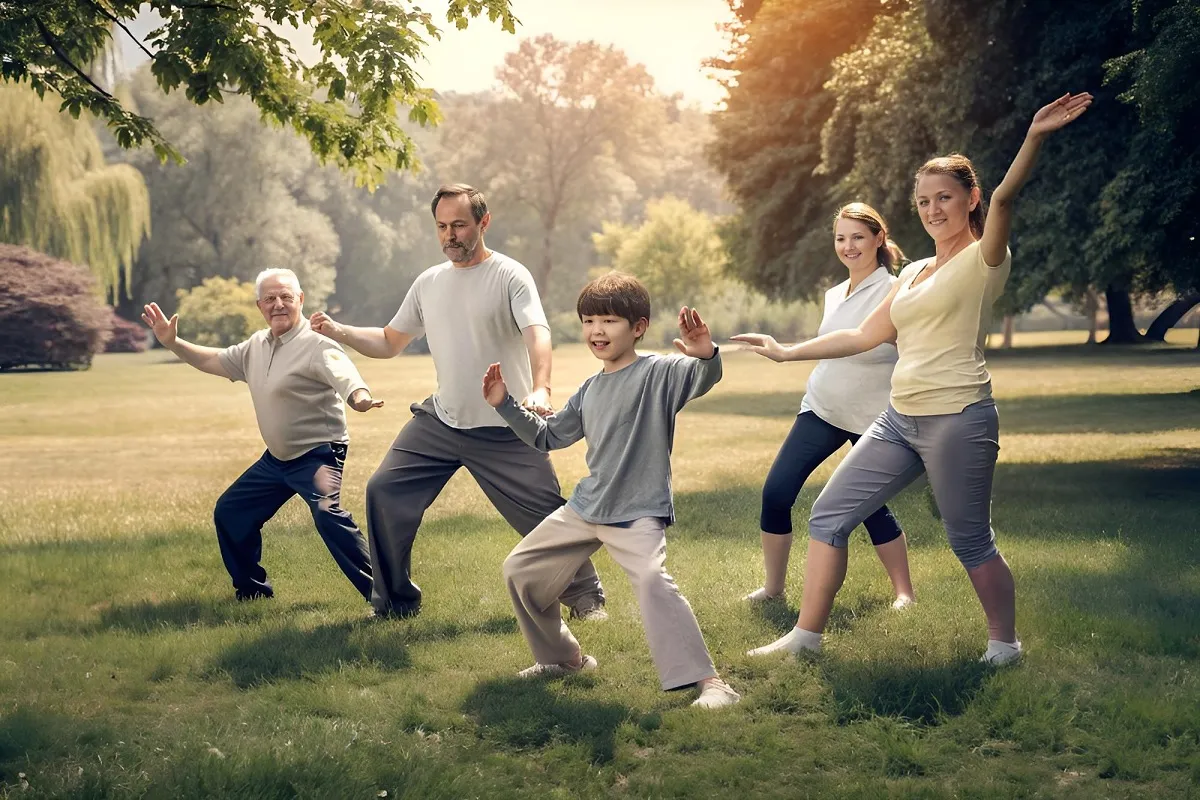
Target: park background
x=703, y=147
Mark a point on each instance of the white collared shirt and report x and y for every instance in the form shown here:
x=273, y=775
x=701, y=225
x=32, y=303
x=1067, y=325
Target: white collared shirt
x=849, y=393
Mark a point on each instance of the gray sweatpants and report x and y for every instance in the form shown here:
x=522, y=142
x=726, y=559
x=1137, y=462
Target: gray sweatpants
x=541, y=564
x=958, y=451
x=518, y=480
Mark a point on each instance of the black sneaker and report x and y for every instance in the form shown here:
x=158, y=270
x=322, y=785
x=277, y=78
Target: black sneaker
x=253, y=594
x=394, y=613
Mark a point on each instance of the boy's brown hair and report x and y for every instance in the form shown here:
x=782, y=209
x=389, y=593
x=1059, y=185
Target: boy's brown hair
x=615, y=294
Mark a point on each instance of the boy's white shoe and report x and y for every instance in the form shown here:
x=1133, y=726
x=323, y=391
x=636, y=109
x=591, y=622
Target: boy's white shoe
x=557, y=670
x=717, y=694
x=1001, y=653
x=760, y=595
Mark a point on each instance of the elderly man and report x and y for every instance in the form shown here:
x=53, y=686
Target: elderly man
x=298, y=380
x=476, y=308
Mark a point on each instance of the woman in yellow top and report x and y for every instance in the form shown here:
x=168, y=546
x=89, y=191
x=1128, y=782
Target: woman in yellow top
x=941, y=419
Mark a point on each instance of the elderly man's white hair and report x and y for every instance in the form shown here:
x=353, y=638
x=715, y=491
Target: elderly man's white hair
x=285, y=275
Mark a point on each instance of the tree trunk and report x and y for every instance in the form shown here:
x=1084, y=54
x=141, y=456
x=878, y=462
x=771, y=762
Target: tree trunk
x=1008, y=332
x=1121, y=327
x=1171, y=315
x=1092, y=307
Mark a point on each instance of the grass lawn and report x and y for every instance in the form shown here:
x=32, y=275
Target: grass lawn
x=127, y=670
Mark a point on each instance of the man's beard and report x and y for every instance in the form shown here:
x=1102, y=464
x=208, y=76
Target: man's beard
x=461, y=252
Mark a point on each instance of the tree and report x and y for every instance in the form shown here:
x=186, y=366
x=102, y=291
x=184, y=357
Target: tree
x=676, y=252
x=937, y=76
x=50, y=315
x=220, y=312
x=571, y=121
x=346, y=105
x=247, y=200
x=58, y=196
x=768, y=139
x=1147, y=208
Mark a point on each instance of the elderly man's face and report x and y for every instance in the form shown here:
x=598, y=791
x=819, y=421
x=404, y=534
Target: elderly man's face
x=280, y=304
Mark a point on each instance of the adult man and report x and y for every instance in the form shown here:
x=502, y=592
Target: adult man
x=298, y=380
x=477, y=308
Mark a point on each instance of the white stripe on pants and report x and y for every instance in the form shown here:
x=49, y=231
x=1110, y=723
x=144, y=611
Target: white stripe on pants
x=541, y=566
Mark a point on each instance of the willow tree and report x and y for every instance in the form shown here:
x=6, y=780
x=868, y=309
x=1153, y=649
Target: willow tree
x=58, y=195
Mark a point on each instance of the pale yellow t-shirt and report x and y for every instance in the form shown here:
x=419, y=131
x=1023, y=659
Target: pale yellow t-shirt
x=941, y=326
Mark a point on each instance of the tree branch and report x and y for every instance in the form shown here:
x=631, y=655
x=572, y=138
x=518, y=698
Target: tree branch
x=49, y=39
x=109, y=15
x=207, y=6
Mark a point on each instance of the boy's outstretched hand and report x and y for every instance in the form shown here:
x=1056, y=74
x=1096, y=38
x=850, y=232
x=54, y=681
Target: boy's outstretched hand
x=495, y=392
x=695, y=339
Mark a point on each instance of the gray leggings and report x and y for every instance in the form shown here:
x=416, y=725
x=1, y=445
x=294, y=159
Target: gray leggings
x=958, y=451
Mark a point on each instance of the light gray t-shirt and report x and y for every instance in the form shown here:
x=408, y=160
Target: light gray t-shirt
x=473, y=318
x=297, y=383
x=628, y=419
x=849, y=393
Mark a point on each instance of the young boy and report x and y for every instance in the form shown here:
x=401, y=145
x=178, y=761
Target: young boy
x=627, y=414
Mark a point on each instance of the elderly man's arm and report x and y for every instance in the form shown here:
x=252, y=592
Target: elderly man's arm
x=335, y=368
x=205, y=359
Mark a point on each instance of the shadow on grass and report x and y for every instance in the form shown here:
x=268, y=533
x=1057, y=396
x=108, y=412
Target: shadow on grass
x=293, y=653
x=520, y=713
x=913, y=692
x=179, y=614
x=1104, y=413
x=1150, y=502
x=305, y=653
x=34, y=735
x=781, y=614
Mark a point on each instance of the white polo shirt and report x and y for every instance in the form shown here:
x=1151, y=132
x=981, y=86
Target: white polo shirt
x=298, y=382
x=849, y=393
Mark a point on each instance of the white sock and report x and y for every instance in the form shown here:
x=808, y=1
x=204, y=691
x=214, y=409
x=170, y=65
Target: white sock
x=760, y=596
x=797, y=640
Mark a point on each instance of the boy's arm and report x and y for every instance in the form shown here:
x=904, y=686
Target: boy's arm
x=551, y=433
x=689, y=378
x=562, y=429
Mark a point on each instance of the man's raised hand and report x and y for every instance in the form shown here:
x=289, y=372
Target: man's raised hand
x=538, y=402
x=324, y=325
x=495, y=391
x=165, y=330
x=695, y=338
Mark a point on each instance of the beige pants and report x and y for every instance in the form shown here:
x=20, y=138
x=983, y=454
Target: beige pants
x=541, y=566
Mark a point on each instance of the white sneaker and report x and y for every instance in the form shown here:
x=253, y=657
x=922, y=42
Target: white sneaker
x=902, y=603
x=760, y=595
x=557, y=670
x=999, y=654
x=717, y=694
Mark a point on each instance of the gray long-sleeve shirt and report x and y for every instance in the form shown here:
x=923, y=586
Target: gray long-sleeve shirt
x=628, y=419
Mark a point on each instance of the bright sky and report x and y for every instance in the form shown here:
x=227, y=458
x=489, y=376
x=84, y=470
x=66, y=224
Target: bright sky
x=670, y=37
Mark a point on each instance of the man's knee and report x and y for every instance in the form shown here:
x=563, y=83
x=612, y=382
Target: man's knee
x=225, y=512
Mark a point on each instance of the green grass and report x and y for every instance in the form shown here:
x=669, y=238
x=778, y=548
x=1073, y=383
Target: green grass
x=126, y=669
